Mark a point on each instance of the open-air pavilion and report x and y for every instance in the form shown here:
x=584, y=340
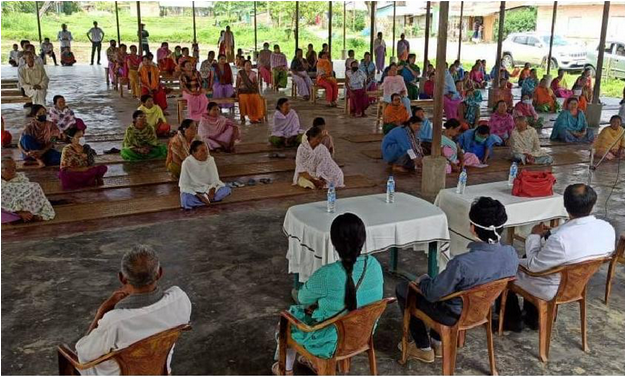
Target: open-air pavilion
x=231, y=258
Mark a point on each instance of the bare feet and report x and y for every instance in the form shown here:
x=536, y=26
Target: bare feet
x=399, y=169
x=26, y=216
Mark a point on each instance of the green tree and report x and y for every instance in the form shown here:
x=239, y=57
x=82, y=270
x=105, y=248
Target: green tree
x=518, y=20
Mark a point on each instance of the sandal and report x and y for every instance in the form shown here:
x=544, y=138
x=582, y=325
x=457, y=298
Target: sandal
x=266, y=181
x=274, y=370
x=306, y=362
x=112, y=151
x=251, y=182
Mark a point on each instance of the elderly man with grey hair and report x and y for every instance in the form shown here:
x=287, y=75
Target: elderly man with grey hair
x=137, y=310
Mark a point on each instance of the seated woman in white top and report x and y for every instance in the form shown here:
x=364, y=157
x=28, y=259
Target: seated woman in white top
x=199, y=180
x=314, y=167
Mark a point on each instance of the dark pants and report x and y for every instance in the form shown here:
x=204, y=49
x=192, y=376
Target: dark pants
x=28, y=143
x=514, y=314
x=94, y=46
x=437, y=311
x=145, y=47
x=51, y=54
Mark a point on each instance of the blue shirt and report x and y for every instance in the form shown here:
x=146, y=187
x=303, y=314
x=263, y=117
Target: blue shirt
x=469, y=144
x=396, y=144
x=425, y=133
x=482, y=264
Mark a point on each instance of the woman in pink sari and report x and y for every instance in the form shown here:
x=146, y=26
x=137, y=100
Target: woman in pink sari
x=121, y=66
x=192, y=91
x=501, y=122
x=558, y=86
x=217, y=131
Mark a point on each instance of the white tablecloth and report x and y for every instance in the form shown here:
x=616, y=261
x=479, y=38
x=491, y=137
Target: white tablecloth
x=521, y=210
x=407, y=222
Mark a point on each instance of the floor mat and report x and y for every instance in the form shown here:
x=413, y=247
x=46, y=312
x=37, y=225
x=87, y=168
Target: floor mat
x=364, y=138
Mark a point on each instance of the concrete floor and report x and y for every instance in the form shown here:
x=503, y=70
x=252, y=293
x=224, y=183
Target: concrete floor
x=231, y=262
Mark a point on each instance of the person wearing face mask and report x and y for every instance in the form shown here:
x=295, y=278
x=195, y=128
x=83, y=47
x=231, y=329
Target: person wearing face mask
x=38, y=139
x=401, y=147
x=314, y=166
x=357, y=93
x=77, y=164
x=64, y=118
x=526, y=145
x=544, y=99
x=457, y=159
x=571, y=125
x=525, y=108
x=479, y=142
x=487, y=260
x=199, y=179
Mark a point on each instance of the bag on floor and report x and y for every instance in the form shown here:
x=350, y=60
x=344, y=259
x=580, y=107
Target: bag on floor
x=533, y=184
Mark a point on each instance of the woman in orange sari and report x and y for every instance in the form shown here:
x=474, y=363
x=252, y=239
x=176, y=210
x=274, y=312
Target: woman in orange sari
x=544, y=99
x=250, y=102
x=178, y=147
x=395, y=114
x=326, y=80
x=151, y=82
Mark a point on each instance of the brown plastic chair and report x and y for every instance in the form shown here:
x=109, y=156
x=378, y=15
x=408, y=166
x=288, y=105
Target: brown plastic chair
x=355, y=336
x=476, y=311
x=573, y=281
x=619, y=255
x=145, y=357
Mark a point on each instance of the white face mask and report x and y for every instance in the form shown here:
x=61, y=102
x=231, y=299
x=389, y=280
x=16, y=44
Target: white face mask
x=82, y=141
x=577, y=92
x=528, y=102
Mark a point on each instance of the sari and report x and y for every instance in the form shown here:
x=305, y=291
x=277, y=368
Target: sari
x=87, y=176
x=155, y=117
x=146, y=137
x=198, y=178
x=529, y=86
x=544, y=100
x=403, y=49
x=472, y=109
x=191, y=84
x=299, y=75
x=264, y=65
x=151, y=84
x=217, y=131
x=559, y=88
x=567, y=123
x=19, y=194
x=222, y=83
x=504, y=94
x=67, y=58
x=35, y=137
x=379, y=48
x=177, y=151
x=326, y=80
x=501, y=125
x=411, y=80
x=133, y=62
x=319, y=164
x=451, y=97
x=608, y=138
x=393, y=117
x=250, y=102
x=120, y=65
x=450, y=151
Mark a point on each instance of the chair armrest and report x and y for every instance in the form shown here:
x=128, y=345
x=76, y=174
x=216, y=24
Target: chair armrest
x=305, y=327
x=72, y=358
x=540, y=274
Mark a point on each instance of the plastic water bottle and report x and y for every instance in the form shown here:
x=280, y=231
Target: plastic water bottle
x=462, y=182
x=331, y=199
x=514, y=169
x=390, y=190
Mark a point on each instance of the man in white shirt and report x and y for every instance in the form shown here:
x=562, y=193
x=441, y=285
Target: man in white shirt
x=96, y=36
x=65, y=37
x=139, y=309
x=582, y=237
x=33, y=80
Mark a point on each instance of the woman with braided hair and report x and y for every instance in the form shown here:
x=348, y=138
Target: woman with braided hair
x=335, y=289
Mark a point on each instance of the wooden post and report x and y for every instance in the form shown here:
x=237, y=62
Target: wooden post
x=140, y=28
x=553, y=25
x=441, y=59
x=330, y=30
x=119, y=40
x=502, y=15
x=38, y=21
x=255, y=30
x=599, y=70
x=393, y=43
x=460, y=29
x=296, y=25
x=194, y=30
x=372, y=27
x=426, y=46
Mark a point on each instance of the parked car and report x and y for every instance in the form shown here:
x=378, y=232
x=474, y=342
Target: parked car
x=613, y=59
x=533, y=48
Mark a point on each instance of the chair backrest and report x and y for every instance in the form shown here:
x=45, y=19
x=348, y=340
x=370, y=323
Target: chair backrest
x=477, y=301
x=355, y=329
x=149, y=356
x=575, y=277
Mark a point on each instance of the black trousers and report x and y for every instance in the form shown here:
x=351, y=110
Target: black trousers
x=437, y=311
x=52, y=55
x=514, y=314
x=94, y=46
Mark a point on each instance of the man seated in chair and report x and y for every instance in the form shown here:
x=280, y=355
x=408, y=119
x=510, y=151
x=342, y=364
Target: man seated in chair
x=582, y=237
x=486, y=260
x=137, y=310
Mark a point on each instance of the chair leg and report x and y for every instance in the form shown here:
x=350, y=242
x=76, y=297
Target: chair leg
x=461, y=338
x=449, y=338
x=491, y=344
x=282, y=346
x=326, y=367
x=345, y=365
x=608, y=284
x=373, y=364
x=502, y=310
x=582, y=312
x=404, y=339
x=546, y=315
x=65, y=367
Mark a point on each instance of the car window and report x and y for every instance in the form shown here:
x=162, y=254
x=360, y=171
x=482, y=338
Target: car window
x=531, y=41
x=557, y=41
x=608, y=47
x=620, y=49
x=520, y=40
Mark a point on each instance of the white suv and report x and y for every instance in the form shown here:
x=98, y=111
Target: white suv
x=533, y=48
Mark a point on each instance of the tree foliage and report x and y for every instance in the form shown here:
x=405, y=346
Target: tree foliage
x=518, y=20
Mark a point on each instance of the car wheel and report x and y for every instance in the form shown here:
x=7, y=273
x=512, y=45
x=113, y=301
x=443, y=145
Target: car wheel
x=507, y=61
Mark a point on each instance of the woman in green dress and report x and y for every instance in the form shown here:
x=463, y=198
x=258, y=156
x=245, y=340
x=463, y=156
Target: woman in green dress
x=140, y=140
x=353, y=282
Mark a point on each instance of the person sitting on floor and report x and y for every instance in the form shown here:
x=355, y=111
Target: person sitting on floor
x=477, y=76
x=217, y=131
x=199, y=179
x=22, y=200
x=314, y=166
x=151, y=81
x=357, y=91
x=326, y=138
x=299, y=75
x=140, y=140
x=504, y=93
x=544, y=99
x=525, y=108
x=530, y=83
x=401, y=147
x=178, y=147
x=582, y=237
x=457, y=159
x=64, y=118
x=326, y=79
x=395, y=114
x=394, y=84
x=487, y=260
x=251, y=104
x=137, y=310
x=480, y=142
x=286, y=131
x=469, y=109
x=38, y=139
x=279, y=68
x=354, y=281
x=67, y=57
x=558, y=86
x=579, y=94
x=425, y=132
x=621, y=109
x=526, y=145
x=7, y=138
x=33, y=80
x=222, y=80
x=501, y=122
x=571, y=125
x=154, y=116
x=607, y=141
x=78, y=169
x=525, y=73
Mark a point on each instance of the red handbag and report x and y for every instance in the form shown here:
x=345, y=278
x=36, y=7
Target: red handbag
x=533, y=184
